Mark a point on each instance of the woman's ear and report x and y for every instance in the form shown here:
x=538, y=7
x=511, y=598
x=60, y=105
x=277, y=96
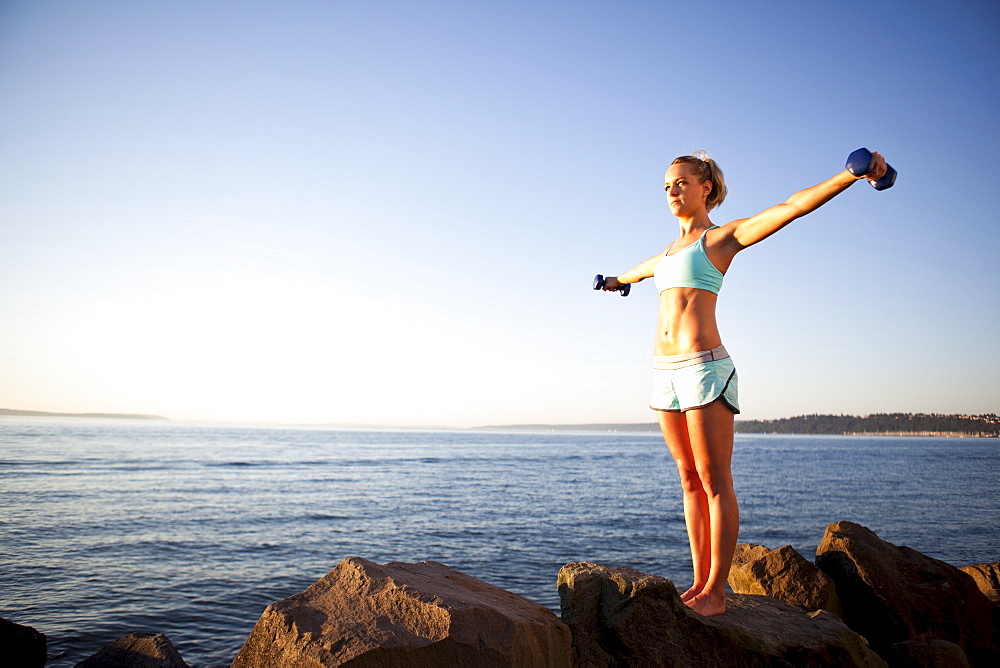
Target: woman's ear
x=707, y=186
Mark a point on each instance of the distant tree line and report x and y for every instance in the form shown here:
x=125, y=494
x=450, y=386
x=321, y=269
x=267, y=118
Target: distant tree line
x=879, y=423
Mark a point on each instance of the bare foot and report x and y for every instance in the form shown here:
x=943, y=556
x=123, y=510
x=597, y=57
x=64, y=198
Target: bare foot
x=708, y=604
x=692, y=592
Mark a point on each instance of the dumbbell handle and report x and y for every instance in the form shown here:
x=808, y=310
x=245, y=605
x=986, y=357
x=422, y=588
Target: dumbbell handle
x=862, y=161
x=600, y=281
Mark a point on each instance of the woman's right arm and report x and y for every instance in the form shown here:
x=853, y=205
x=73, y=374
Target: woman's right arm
x=637, y=273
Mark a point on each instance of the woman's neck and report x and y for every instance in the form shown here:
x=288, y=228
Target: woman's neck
x=694, y=223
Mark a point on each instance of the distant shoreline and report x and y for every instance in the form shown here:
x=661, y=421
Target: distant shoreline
x=9, y=412
x=881, y=424
x=655, y=429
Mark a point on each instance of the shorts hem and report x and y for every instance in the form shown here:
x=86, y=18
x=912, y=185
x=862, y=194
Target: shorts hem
x=734, y=409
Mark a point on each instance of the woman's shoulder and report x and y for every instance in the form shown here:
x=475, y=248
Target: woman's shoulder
x=723, y=236
x=720, y=232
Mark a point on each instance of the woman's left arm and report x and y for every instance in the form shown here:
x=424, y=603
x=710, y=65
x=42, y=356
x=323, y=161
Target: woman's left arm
x=749, y=231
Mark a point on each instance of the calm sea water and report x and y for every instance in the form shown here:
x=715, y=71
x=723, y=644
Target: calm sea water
x=108, y=527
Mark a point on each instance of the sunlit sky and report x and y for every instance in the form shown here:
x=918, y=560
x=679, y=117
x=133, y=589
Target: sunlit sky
x=391, y=212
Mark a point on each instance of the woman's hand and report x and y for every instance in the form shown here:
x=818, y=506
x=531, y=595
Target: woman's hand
x=611, y=284
x=878, y=169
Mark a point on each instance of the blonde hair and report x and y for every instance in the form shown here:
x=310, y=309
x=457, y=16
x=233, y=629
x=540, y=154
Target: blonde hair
x=706, y=169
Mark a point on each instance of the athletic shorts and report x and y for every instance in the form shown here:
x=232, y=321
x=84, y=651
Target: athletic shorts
x=694, y=380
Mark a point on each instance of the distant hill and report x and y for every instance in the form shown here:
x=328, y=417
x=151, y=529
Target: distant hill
x=8, y=412
x=880, y=423
x=895, y=424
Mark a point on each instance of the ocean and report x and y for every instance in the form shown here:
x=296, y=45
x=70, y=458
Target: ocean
x=113, y=526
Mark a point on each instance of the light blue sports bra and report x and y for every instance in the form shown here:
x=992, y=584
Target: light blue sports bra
x=688, y=268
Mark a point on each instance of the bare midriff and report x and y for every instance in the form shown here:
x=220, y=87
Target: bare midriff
x=686, y=323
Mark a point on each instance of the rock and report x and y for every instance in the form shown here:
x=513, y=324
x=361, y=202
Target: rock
x=21, y=645
x=405, y=615
x=928, y=654
x=783, y=574
x=893, y=594
x=136, y=650
x=621, y=617
x=987, y=578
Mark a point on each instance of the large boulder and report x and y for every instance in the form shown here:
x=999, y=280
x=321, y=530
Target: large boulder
x=783, y=574
x=892, y=594
x=136, y=650
x=405, y=615
x=928, y=654
x=621, y=617
x=21, y=645
x=987, y=578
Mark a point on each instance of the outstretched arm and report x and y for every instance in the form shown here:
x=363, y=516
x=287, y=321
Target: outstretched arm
x=749, y=231
x=637, y=273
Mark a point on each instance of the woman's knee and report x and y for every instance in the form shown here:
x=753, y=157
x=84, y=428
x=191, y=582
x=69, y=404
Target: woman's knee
x=691, y=481
x=716, y=482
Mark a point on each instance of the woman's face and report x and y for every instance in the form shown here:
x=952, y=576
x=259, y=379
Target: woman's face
x=685, y=195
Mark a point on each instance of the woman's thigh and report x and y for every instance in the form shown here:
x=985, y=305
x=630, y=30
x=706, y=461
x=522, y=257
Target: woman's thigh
x=674, y=427
x=710, y=433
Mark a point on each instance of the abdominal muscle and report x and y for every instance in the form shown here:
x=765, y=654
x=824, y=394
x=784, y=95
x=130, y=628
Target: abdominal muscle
x=686, y=323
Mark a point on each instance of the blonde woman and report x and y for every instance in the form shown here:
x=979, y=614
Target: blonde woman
x=695, y=382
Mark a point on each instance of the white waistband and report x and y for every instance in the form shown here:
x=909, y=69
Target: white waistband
x=669, y=362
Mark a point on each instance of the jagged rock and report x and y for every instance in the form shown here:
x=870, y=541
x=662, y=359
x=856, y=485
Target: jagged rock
x=987, y=577
x=136, y=650
x=892, y=594
x=405, y=616
x=21, y=645
x=621, y=617
x=783, y=574
x=928, y=654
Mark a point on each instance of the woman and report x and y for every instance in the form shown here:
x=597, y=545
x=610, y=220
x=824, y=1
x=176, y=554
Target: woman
x=694, y=385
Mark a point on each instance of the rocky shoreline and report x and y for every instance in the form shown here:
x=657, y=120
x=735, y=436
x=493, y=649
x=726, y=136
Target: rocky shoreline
x=865, y=602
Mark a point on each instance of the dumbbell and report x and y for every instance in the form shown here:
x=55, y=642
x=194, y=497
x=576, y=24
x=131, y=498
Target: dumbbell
x=862, y=162
x=599, y=285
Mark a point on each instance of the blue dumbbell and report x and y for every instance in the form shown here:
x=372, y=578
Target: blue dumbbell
x=599, y=285
x=862, y=161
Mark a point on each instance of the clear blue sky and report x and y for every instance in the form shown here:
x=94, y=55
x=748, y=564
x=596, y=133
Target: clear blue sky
x=391, y=212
